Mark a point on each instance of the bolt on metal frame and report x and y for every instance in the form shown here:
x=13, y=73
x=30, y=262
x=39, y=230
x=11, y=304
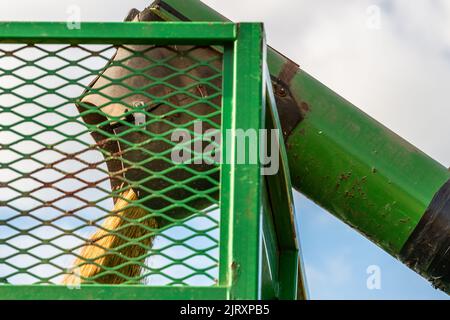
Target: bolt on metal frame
x=258, y=242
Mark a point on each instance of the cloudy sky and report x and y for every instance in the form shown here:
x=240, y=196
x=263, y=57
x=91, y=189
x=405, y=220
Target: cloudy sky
x=395, y=68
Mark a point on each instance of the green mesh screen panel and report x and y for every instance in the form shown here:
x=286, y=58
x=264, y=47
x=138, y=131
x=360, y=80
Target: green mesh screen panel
x=89, y=191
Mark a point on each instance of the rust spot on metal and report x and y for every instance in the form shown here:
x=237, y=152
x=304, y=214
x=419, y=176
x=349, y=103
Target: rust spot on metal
x=289, y=110
x=349, y=194
x=304, y=107
x=288, y=72
x=406, y=220
x=235, y=270
x=279, y=90
x=345, y=176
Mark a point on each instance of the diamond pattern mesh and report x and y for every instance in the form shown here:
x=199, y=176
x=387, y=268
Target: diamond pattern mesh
x=89, y=192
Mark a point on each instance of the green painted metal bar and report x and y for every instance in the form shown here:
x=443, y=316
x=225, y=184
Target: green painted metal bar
x=353, y=166
x=245, y=193
x=117, y=33
x=110, y=292
x=226, y=172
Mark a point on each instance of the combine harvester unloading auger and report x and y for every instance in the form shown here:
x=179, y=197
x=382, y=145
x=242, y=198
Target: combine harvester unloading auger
x=339, y=157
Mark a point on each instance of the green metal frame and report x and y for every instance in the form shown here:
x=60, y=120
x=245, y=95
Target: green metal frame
x=258, y=228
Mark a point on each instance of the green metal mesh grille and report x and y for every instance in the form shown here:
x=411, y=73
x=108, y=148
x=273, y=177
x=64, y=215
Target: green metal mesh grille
x=74, y=146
